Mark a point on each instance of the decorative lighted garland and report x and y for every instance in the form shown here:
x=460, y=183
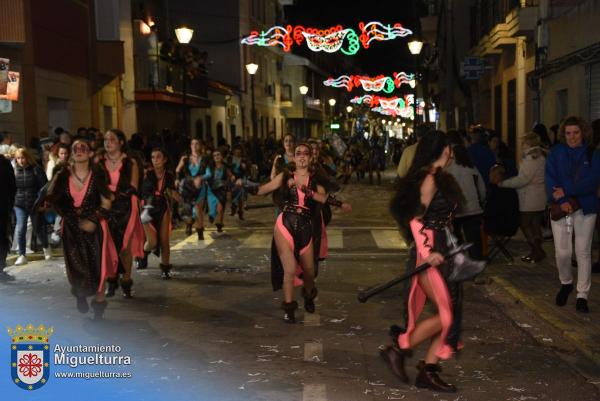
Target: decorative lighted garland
x=380, y=83
x=330, y=40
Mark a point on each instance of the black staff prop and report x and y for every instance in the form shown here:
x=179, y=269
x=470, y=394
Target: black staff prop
x=475, y=267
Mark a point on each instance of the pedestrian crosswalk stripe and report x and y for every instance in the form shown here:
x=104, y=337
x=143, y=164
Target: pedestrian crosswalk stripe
x=258, y=240
x=313, y=352
x=335, y=239
x=312, y=319
x=314, y=392
x=192, y=242
x=388, y=239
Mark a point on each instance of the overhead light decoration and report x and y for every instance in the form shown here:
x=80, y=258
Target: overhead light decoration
x=332, y=40
x=380, y=83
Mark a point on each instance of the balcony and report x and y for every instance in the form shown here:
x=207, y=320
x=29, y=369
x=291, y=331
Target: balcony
x=518, y=22
x=157, y=79
x=110, y=58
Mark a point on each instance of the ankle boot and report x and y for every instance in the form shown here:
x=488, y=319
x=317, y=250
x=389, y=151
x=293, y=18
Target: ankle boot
x=82, y=305
x=99, y=308
x=200, y=232
x=142, y=263
x=113, y=284
x=428, y=378
x=165, y=269
x=126, y=286
x=219, y=227
x=241, y=214
x=289, y=308
x=563, y=294
x=394, y=357
x=188, y=229
x=309, y=299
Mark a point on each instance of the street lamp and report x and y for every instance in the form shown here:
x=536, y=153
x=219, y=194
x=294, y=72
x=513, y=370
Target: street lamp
x=303, y=91
x=331, y=103
x=415, y=46
x=184, y=36
x=349, y=109
x=252, y=68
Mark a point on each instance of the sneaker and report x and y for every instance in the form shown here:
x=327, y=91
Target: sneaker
x=563, y=294
x=582, y=306
x=29, y=251
x=47, y=254
x=21, y=260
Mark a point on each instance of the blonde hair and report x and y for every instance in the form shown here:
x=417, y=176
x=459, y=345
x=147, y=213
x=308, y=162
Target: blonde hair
x=28, y=156
x=532, y=139
x=586, y=130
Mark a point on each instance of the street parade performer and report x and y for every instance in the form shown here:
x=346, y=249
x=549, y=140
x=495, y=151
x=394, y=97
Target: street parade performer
x=158, y=192
x=297, y=232
x=423, y=216
x=79, y=193
x=124, y=216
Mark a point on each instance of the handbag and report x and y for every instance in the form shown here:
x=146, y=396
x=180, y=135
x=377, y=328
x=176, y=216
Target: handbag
x=556, y=213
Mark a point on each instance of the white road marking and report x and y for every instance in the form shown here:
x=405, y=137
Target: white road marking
x=335, y=238
x=192, y=242
x=258, y=240
x=313, y=352
x=388, y=239
x=312, y=319
x=314, y=392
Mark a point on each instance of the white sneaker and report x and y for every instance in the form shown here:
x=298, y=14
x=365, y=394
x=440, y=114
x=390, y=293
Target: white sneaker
x=55, y=238
x=29, y=251
x=47, y=254
x=21, y=260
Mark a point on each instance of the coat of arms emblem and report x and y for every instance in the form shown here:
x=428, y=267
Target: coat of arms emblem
x=30, y=355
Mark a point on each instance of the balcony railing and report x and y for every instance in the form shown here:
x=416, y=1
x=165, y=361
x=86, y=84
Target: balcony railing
x=158, y=74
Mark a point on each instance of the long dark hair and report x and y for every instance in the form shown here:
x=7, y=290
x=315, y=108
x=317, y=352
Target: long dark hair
x=461, y=155
x=406, y=203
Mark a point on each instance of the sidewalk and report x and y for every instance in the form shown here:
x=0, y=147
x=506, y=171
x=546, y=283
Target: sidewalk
x=535, y=287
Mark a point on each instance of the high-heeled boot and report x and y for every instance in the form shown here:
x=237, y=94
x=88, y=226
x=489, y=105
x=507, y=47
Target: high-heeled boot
x=219, y=227
x=99, y=308
x=428, y=378
x=113, y=284
x=165, y=270
x=200, y=232
x=126, y=285
x=309, y=299
x=394, y=357
x=289, y=308
x=142, y=263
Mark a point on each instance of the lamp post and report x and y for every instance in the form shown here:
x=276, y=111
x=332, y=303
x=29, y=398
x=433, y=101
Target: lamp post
x=184, y=36
x=303, y=91
x=252, y=68
x=332, y=104
x=415, y=47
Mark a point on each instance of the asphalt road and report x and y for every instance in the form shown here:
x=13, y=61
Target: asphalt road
x=215, y=330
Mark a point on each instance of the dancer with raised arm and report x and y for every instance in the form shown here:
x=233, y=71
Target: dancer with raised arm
x=297, y=231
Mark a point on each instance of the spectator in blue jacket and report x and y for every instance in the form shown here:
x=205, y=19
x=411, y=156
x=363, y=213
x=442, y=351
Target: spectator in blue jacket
x=482, y=156
x=572, y=178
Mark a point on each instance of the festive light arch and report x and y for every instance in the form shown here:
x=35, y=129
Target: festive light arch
x=331, y=40
x=380, y=83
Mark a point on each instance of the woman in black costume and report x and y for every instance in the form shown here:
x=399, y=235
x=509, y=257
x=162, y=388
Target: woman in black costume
x=79, y=193
x=424, y=206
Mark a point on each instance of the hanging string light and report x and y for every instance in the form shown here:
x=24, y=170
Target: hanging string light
x=380, y=83
x=334, y=39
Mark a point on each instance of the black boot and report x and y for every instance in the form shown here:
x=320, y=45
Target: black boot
x=99, y=308
x=233, y=210
x=165, y=269
x=200, y=232
x=82, y=305
x=428, y=378
x=113, y=284
x=563, y=294
x=394, y=357
x=241, y=214
x=142, y=263
x=219, y=227
x=188, y=229
x=309, y=299
x=126, y=286
x=289, y=308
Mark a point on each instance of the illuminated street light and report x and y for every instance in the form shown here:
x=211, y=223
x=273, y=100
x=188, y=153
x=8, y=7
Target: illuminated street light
x=184, y=34
x=415, y=47
x=349, y=109
x=332, y=102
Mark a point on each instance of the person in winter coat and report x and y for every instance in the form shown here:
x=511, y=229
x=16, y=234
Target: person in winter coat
x=469, y=216
x=529, y=184
x=30, y=178
x=572, y=178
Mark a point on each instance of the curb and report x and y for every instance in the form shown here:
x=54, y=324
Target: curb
x=574, y=338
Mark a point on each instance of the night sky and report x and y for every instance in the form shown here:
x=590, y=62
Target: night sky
x=381, y=57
